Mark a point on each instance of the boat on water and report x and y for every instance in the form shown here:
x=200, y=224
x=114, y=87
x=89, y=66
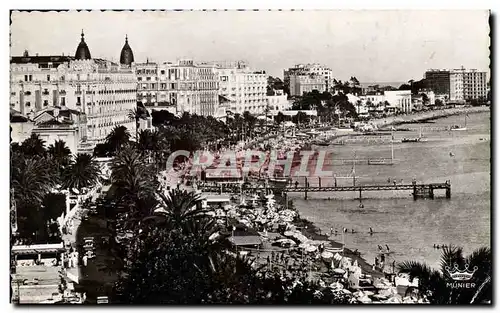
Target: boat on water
x=417, y=139
x=411, y=139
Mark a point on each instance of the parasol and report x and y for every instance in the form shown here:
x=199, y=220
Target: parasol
x=326, y=255
x=311, y=248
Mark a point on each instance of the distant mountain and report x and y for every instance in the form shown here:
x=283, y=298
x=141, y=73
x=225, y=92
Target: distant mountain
x=382, y=84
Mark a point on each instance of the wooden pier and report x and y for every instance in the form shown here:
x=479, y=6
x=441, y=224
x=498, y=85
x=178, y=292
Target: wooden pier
x=418, y=190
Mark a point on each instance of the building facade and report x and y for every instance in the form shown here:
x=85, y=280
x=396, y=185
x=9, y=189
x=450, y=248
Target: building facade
x=245, y=89
x=300, y=84
x=307, y=77
x=400, y=99
x=181, y=87
x=102, y=90
x=458, y=84
x=278, y=102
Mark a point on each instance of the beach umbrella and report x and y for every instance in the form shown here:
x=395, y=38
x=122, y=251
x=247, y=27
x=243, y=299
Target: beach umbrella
x=311, y=248
x=326, y=255
x=303, y=245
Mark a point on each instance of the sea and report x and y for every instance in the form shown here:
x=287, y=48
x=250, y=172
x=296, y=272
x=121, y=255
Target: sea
x=410, y=228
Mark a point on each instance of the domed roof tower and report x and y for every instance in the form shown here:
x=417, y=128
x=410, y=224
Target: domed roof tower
x=82, y=52
x=126, y=56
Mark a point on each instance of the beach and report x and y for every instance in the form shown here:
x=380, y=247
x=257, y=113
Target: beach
x=410, y=227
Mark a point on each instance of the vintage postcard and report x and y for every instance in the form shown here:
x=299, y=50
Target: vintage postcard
x=250, y=157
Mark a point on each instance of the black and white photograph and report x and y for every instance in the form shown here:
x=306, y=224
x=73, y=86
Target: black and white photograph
x=274, y=157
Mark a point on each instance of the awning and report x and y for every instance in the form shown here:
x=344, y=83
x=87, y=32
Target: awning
x=224, y=99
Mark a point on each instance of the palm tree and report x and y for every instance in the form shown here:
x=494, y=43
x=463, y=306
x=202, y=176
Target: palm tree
x=135, y=181
x=137, y=114
x=84, y=172
x=34, y=146
x=118, y=137
x=144, y=140
x=58, y=150
x=181, y=208
x=438, y=286
x=61, y=155
x=31, y=180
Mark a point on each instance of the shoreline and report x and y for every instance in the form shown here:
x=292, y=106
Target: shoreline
x=314, y=232
x=428, y=115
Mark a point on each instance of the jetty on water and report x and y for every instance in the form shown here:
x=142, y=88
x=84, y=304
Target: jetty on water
x=418, y=190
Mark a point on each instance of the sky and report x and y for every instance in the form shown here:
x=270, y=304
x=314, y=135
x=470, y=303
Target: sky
x=374, y=46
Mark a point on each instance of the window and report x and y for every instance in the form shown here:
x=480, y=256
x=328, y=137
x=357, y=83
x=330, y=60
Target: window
x=28, y=104
x=30, y=77
x=139, y=78
x=25, y=78
x=48, y=78
x=148, y=78
x=78, y=100
x=45, y=103
x=162, y=72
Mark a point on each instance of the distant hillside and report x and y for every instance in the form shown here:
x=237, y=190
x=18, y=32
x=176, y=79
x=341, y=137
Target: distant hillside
x=392, y=84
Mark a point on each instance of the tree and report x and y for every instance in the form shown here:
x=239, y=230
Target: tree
x=437, y=285
x=84, y=172
x=404, y=87
x=135, y=182
x=181, y=208
x=61, y=155
x=31, y=180
x=301, y=118
x=137, y=114
x=118, y=137
x=34, y=146
x=280, y=118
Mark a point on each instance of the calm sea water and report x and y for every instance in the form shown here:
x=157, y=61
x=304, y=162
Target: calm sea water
x=408, y=227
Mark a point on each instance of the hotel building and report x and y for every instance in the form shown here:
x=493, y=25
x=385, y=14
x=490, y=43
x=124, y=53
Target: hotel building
x=244, y=89
x=103, y=91
x=457, y=84
x=181, y=87
x=307, y=77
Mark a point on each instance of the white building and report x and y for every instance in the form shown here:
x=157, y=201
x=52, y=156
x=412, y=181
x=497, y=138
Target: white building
x=245, y=89
x=181, y=87
x=307, y=77
x=102, y=90
x=300, y=84
x=400, y=99
x=458, y=84
x=278, y=102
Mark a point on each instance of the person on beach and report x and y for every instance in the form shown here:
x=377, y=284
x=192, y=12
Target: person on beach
x=371, y=231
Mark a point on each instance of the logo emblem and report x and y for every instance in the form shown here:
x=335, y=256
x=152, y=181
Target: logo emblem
x=458, y=275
